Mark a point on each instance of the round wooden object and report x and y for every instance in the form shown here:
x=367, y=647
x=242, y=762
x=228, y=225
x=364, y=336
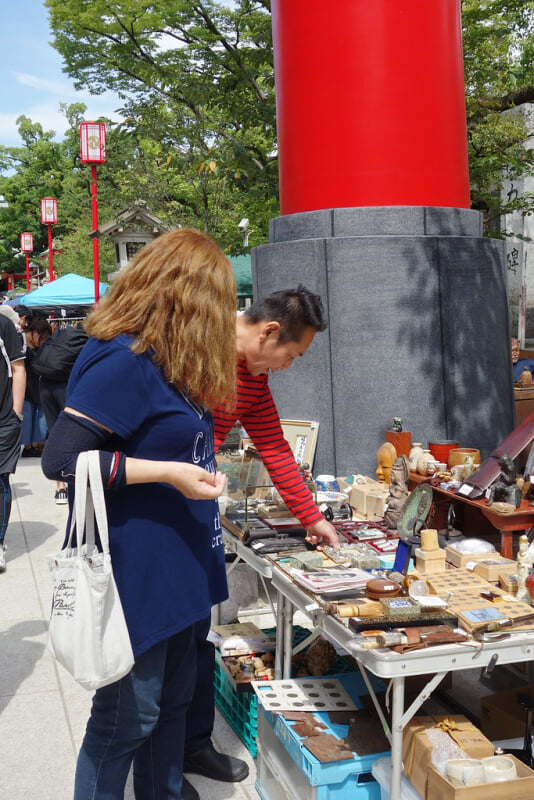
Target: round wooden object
x=379, y=587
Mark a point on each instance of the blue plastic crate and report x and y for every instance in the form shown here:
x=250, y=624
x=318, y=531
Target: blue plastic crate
x=316, y=772
x=279, y=776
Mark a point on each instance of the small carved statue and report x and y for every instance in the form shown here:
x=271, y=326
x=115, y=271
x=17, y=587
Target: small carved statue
x=397, y=424
x=524, y=563
x=506, y=489
x=398, y=491
x=525, y=379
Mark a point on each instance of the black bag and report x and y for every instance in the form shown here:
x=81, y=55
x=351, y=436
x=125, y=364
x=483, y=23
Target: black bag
x=55, y=358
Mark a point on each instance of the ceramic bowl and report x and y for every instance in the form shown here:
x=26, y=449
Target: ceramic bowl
x=458, y=454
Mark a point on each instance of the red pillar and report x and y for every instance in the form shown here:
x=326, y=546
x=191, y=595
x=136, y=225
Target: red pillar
x=28, y=271
x=370, y=103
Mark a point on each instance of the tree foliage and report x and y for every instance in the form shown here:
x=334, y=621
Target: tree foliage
x=498, y=39
x=198, y=136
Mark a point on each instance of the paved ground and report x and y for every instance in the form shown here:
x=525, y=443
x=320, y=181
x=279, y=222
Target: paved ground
x=42, y=710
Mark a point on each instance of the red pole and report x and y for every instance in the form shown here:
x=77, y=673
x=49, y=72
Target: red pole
x=27, y=271
x=370, y=104
x=50, y=254
x=94, y=205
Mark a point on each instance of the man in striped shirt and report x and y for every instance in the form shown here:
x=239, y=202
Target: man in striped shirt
x=269, y=336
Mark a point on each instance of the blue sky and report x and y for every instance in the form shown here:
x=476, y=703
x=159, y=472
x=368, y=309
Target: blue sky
x=32, y=81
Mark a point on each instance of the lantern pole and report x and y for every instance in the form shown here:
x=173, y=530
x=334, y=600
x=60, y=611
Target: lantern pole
x=93, y=152
x=26, y=245
x=50, y=254
x=48, y=216
x=94, y=206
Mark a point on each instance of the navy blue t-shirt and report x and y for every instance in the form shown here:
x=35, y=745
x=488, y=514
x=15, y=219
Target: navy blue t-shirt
x=167, y=550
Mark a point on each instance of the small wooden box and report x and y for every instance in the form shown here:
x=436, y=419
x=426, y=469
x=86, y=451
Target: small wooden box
x=508, y=581
x=462, y=559
x=369, y=499
x=522, y=788
x=428, y=562
x=491, y=567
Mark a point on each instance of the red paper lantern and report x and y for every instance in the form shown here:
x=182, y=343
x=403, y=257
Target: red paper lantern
x=26, y=242
x=92, y=142
x=48, y=210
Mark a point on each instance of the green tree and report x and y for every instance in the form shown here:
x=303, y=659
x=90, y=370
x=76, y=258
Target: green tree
x=197, y=80
x=498, y=37
x=34, y=170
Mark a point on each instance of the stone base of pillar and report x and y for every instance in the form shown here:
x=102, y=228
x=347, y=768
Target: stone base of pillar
x=418, y=328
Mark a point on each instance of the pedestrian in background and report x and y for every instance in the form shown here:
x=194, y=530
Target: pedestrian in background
x=34, y=423
x=12, y=389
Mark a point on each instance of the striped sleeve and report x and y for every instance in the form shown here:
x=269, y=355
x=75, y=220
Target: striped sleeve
x=257, y=412
x=262, y=424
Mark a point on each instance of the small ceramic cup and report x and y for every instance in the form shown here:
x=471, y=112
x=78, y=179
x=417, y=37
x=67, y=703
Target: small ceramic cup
x=457, y=472
x=465, y=771
x=498, y=768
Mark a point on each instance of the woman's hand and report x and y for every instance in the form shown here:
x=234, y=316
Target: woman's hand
x=195, y=482
x=192, y=481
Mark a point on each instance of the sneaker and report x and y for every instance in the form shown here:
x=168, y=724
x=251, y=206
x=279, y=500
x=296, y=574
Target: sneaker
x=2, y=558
x=31, y=452
x=61, y=497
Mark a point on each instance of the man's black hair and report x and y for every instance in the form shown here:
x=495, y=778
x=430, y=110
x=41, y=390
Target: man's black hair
x=295, y=310
x=40, y=326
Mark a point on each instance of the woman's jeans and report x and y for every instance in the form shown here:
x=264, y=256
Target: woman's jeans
x=140, y=718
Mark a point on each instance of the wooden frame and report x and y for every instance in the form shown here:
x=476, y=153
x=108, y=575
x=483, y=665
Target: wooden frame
x=301, y=436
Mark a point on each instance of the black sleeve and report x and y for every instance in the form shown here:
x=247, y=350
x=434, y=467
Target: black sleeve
x=72, y=435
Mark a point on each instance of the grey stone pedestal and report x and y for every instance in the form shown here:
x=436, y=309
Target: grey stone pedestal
x=418, y=327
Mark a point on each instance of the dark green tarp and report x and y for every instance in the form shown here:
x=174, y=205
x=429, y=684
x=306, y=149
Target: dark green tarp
x=242, y=268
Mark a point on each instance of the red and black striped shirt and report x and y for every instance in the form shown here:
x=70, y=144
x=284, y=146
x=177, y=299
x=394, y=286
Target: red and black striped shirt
x=256, y=411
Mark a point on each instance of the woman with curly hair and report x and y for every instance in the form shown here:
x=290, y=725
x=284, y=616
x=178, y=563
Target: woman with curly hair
x=161, y=348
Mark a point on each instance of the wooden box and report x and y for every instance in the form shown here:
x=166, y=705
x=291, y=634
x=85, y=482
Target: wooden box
x=429, y=561
x=369, y=499
x=462, y=559
x=491, y=567
x=508, y=581
x=522, y=788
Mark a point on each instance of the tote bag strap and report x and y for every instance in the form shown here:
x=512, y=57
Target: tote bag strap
x=89, y=503
x=81, y=489
x=98, y=502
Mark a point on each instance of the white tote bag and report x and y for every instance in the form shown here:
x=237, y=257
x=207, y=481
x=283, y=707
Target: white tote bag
x=87, y=632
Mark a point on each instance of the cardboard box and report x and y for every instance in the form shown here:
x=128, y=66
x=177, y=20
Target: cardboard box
x=501, y=716
x=522, y=788
x=417, y=749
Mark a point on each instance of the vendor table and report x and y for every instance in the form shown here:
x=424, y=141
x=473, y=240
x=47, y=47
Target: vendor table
x=247, y=555
x=507, y=525
x=388, y=665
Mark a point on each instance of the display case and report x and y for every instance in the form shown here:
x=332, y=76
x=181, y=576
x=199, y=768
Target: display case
x=251, y=506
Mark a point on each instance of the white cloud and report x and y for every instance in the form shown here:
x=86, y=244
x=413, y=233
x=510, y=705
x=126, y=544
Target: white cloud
x=44, y=84
x=49, y=115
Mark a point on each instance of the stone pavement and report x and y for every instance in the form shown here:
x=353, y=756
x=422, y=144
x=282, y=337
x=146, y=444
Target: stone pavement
x=43, y=711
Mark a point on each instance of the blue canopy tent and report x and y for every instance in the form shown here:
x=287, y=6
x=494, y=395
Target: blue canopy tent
x=68, y=296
